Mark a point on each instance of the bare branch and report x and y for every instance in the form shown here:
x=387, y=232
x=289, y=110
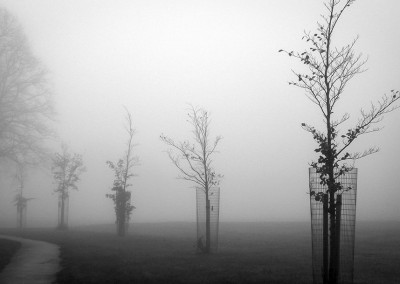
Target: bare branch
x=359, y=155
x=369, y=119
x=193, y=160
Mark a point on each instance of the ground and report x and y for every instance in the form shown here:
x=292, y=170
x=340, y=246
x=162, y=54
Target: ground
x=7, y=250
x=248, y=253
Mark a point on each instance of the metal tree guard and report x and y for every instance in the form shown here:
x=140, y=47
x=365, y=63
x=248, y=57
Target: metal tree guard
x=21, y=215
x=21, y=203
x=345, y=228
x=123, y=211
x=63, y=208
x=213, y=196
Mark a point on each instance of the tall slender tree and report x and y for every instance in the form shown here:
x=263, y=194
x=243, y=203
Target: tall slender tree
x=122, y=174
x=328, y=71
x=67, y=169
x=194, y=160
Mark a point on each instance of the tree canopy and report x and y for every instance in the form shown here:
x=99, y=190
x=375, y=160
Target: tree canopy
x=25, y=97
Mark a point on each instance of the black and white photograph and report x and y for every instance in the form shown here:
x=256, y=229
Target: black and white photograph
x=200, y=141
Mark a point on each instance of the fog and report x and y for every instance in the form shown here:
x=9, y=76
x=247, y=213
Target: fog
x=154, y=57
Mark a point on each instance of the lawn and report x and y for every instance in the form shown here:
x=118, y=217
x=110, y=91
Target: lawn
x=7, y=250
x=248, y=253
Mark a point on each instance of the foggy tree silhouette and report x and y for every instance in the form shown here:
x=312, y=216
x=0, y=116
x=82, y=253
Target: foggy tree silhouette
x=67, y=169
x=329, y=69
x=25, y=98
x=122, y=173
x=194, y=162
x=20, y=201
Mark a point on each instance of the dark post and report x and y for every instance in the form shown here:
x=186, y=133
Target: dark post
x=325, y=234
x=337, y=234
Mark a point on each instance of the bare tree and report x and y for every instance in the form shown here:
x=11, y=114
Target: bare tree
x=25, y=98
x=194, y=160
x=67, y=169
x=122, y=173
x=328, y=71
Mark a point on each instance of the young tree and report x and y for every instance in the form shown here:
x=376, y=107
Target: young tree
x=67, y=169
x=20, y=201
x=122, y=173
x=328, y=70
x=194, y=160
x=25, y=98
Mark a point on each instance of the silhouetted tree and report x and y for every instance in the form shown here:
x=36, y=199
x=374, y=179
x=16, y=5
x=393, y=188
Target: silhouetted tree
x=20, y=201
x=329, y=69
x=122, y=173
x=194, y=161
x=67, y=169
x=25, y=98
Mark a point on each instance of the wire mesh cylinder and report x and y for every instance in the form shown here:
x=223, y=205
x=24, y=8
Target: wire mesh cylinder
x=123, y=213
x=21, y=215
x=213, y=209
x=345, y=229
x=63, y=205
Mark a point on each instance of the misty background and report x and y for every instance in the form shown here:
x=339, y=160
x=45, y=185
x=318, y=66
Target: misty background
x=154, y=57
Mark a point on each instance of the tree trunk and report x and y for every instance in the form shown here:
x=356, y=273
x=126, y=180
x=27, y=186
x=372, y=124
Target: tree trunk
x=334, y=246
x=208, y=225
x=62, y=225
x=19, y=209
x=337, y=236
x=121, y=225
x=121, y=213
x=333, y=255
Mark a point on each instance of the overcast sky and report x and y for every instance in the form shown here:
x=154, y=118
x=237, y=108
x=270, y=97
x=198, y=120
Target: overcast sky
x=155, y=56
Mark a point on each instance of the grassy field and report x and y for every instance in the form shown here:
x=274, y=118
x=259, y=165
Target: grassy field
x=248, y=253
x=7, y=250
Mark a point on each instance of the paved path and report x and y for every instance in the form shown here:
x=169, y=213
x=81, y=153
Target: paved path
x=35, y=262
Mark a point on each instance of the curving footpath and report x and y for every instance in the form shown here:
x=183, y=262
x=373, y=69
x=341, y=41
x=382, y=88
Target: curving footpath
x=35, y=262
